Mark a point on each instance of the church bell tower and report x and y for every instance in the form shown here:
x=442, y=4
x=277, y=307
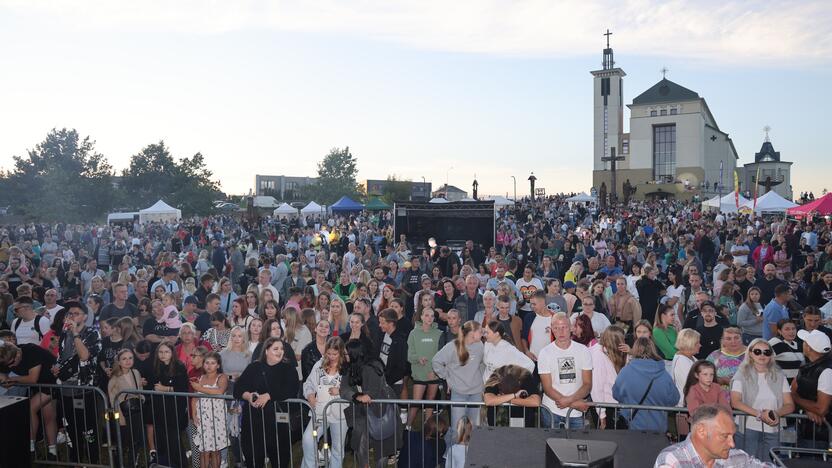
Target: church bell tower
x=608, y=114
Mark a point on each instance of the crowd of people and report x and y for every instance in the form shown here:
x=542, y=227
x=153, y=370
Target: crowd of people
x=649, y=303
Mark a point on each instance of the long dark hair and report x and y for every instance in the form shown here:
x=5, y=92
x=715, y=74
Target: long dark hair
x=268, y=344
x=357, y=358
x=587, y=333
x=497, y=327
x=161, y=368
x=692, y=375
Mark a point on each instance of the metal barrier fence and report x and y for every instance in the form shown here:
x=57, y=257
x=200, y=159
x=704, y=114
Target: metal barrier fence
x=376, y=439
x=76, y=416
x=778, y=454
x=196, y=429
x=796, y=428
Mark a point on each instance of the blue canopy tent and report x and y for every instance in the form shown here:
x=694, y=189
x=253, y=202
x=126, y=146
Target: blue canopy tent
x=346, y=204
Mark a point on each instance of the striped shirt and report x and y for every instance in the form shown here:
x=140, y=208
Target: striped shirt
x=789, y=356
x=683, y=455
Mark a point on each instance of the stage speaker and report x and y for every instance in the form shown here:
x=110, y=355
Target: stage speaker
x=562, y=453
x=14, y=432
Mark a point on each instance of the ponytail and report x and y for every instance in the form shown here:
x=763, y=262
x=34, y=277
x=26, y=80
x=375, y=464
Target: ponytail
x=459, y=342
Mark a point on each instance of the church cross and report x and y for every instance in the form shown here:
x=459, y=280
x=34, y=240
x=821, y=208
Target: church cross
x=664, y=72
x=713, y=137
x=608, y=34
x=612, y=158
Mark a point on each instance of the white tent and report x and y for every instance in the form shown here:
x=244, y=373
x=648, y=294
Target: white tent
x=285, y=210
x=581, y=198
x=264, y=201
x=312, y=208
x=502, y=201
x=769, y=203
x=438, y=200
x=728, y=203
x=159, y=212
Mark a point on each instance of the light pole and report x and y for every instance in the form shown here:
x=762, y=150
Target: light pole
x=515, y=188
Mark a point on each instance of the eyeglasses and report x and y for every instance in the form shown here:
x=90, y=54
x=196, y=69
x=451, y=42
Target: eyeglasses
x=758, y=351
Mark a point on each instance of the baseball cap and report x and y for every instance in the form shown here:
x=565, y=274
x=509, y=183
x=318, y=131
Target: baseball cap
x=192, y=300
x=816, y=340
x=569, y=285
x=553, y=306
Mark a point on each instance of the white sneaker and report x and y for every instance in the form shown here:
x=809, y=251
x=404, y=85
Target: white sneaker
x=62, y=438
x=321, y=458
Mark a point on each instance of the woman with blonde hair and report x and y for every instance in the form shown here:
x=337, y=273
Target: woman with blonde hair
x=574, y=273
x=297, y=334
x=338, y=319
x=322, y=386
x=130, y=337
x=125, y=377
x=460, y=364
x=759, y=388
x=687, y=346
x=608, y=358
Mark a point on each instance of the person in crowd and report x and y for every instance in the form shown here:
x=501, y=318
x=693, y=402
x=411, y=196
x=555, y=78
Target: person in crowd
x=536, y=333
x=624, y=307
x=297, y=334
x=710, y=443
x=217, y=336
x=599, y=321
x=77, y=365
x=565, y=369
x=264, y=385
x=582, y=331
x=32, y=365
x=498, y=350
x=759, y=389
x=460, y=448
x=323, y=385
x=728, y=357
x=750, y=316
x=272, y=329
x=813, y=320
x=188, y=341
x=812, y=388
x=359, y=330
x=422, y=345
x=28, y=326
x=364, y=380
x=209, y=414
x=338, y=316
x=314, y=351
x=393, y=351
x=710, y=330
x=236, y=355
x=425, y=448
x=124, y=377
x=687, y=347
x=238, y=315
x=701, y=389
x=169, y=414
x=788, y=349
x=776, y=310
x=460, y=364
x=644, y=381
x=517, y=386
x=664, y=332
x=608, y=358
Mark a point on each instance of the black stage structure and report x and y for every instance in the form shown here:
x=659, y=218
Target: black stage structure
x=449, y=223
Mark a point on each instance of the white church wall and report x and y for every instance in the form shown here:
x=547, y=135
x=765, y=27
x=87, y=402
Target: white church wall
x=689, y=136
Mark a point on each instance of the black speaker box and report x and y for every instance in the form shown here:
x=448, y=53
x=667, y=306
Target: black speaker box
x=14, y=432
x=562, y=453
x=508, y=447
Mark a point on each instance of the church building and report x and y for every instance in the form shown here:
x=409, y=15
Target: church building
x=674, y=148
x=767, y=172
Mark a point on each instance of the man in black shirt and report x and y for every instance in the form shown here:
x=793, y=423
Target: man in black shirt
x=710, y=330
x=767, y=283
x=119, y=307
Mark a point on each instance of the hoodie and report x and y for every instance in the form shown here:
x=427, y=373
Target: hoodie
x=630, y=386
x=422, y=344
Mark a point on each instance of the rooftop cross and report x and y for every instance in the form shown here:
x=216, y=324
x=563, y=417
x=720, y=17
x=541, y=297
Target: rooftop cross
x=664, y=72
x=608, y=34
x=767, y=129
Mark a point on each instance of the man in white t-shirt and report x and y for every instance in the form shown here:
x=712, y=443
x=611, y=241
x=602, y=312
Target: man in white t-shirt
x=565, y=369
x=536, y=333
x=528, y=285
x=812, y=388
x=28, y=327
x=50, y=304
x=740, y=251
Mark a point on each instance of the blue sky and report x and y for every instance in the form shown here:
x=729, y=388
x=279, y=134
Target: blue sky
x=490, y=88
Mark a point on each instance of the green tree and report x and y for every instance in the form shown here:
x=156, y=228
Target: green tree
x=336, y=177
x=396, y=189
x=187, y=184
x=62, y=179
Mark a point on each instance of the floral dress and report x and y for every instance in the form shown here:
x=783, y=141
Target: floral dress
x=211, y=434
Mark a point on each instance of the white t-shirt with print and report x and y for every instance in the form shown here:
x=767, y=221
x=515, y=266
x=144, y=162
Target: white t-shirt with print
x=565, y=366
x=540, y=334
x=765, y=400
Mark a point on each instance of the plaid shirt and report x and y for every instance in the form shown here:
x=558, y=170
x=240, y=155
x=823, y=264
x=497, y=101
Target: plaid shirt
x=683, y=455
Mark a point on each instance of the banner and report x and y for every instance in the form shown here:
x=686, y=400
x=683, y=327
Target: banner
x=756, y=184
x=736, y=189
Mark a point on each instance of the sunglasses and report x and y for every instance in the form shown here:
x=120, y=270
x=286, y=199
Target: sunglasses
x=758, y=351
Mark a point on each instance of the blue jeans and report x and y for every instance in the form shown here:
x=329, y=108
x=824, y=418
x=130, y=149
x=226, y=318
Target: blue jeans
x=551, y=420
x=457, y=412
x=338, y=434
x=757, y=444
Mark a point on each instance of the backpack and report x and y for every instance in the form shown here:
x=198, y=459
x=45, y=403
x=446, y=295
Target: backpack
x=382, y=419
x=18, y=321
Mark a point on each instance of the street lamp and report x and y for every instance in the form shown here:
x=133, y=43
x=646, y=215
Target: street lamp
x=515, y=189
x=476, y=184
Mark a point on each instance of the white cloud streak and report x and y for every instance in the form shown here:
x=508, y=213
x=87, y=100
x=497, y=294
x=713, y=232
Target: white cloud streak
x=739, y=32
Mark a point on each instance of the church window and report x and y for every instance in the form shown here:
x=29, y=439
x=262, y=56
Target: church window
x=653, y=113
x=664, y=152
x=674, y=111
x=663, y=112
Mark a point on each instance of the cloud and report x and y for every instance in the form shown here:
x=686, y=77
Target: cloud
x=729, y=32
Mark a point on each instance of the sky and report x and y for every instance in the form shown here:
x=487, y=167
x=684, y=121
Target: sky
x=416, y=88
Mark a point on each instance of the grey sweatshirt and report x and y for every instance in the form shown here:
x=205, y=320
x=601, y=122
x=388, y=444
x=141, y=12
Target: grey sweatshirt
x=465, y=379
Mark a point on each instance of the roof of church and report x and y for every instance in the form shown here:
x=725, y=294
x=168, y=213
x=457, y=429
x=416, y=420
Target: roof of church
x=767, y=153
x=665, y=91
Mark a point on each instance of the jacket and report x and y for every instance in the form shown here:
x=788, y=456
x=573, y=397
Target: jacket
x=422, y=344
x=631, y=384
x=461, y=304
x=397, y=366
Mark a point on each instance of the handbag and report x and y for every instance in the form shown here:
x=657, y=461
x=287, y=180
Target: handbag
x=131, y=405
x=382, y=419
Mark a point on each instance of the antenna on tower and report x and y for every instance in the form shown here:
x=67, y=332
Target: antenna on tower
x=767, y=129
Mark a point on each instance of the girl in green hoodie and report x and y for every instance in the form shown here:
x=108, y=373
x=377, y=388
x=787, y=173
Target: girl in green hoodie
x=422, y=345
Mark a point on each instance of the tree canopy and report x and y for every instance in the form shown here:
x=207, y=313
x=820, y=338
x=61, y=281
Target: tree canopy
x=337, y=174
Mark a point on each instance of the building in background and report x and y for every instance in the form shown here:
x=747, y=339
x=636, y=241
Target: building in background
x=283, y=188
x=767, y=172
x=674, y=148
x=419, y=191
x=450, y=193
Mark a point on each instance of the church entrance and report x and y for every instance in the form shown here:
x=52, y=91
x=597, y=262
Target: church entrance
x=658, y=195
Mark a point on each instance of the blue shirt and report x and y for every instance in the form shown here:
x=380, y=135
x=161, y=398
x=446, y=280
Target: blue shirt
x=772, y=314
